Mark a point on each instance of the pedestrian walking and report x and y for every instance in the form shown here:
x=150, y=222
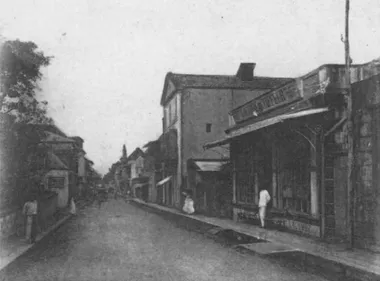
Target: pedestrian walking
x=30, y=211
x=264, y=199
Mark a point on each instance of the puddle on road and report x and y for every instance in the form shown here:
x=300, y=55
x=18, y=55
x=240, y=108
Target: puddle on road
x=231, y=238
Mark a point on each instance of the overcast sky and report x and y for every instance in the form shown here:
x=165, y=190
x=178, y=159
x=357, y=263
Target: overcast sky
x=111, y=56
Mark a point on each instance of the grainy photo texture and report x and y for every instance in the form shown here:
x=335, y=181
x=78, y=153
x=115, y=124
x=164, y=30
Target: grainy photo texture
x=190, y=140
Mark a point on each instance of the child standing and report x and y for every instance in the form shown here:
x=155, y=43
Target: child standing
x=263, y=202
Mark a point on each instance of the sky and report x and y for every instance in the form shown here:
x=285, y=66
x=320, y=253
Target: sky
x=111, y=57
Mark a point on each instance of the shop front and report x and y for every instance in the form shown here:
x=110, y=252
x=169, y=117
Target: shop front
x=210, y=183
x=279, y=142
x=284, y=159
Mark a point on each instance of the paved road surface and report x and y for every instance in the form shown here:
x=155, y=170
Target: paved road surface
x=120, y=241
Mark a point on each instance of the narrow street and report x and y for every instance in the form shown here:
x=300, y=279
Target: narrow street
x=120, y=241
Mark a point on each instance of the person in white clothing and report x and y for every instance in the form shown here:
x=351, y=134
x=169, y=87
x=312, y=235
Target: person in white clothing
x=188, y=207
x=264, y=198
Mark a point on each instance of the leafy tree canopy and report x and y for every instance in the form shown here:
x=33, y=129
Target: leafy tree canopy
x=20, y=71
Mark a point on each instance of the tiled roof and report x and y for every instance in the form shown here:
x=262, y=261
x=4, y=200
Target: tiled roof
x=182, y=81
x=135, y=154
x=224, y=81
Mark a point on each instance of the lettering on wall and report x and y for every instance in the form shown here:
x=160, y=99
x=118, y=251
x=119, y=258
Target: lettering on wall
x=311, y=85
x=276, y=98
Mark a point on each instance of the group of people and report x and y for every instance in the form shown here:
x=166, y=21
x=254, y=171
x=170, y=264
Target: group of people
x=264, y=199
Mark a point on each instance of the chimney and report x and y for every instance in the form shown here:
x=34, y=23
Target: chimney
x=79, y=141
x=246, y=71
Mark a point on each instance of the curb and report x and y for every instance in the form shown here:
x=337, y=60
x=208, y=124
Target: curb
x=308, y=262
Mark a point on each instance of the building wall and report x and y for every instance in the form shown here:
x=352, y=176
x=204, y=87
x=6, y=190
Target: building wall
x=367, y=109
x=202, y=106
x=8, y=222
x=63, y=193
x=173, y=120
x=139, y=165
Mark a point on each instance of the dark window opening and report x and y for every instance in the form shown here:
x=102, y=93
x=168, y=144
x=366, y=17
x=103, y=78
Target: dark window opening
x=208, y=127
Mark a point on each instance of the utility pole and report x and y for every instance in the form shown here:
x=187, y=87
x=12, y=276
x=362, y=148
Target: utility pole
x=350, y=135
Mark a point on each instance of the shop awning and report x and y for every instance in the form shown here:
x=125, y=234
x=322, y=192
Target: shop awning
x=165, y=180
x=209, y=166
x=263, y=124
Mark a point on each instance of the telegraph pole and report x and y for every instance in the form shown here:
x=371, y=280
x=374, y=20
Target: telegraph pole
x=350, y=135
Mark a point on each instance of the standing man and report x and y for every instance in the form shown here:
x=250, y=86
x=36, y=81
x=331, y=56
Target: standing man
x=264, y=198
x=30, y=211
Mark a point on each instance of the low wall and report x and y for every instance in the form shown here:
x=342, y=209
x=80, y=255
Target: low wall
x=282, y=223
x=8, y=220
x=47, y=208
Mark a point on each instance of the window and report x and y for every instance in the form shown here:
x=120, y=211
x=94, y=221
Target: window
x=208, y=127
x=295, y=175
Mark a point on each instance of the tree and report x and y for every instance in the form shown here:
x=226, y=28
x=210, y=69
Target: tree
x=20, y=73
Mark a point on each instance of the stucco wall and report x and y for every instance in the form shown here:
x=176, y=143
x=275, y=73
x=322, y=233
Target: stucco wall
x=367, y=220
x=175, y=123
x=201, y=106
x=8, y=222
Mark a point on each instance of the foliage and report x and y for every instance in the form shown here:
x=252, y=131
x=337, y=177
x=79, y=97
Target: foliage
x=20, y=72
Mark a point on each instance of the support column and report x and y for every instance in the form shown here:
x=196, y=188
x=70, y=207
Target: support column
x=314, y=188
x=322, y=182
x=256, y=175
x=233, y=159
x=234, y=183
x=274, y=174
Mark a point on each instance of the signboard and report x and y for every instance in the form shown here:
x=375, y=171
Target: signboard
x=311, y=85
x=56, y=182
x=276, y=98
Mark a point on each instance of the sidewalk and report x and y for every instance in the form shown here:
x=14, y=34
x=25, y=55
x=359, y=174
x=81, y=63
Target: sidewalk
x=13, y=246
x=358, y=263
